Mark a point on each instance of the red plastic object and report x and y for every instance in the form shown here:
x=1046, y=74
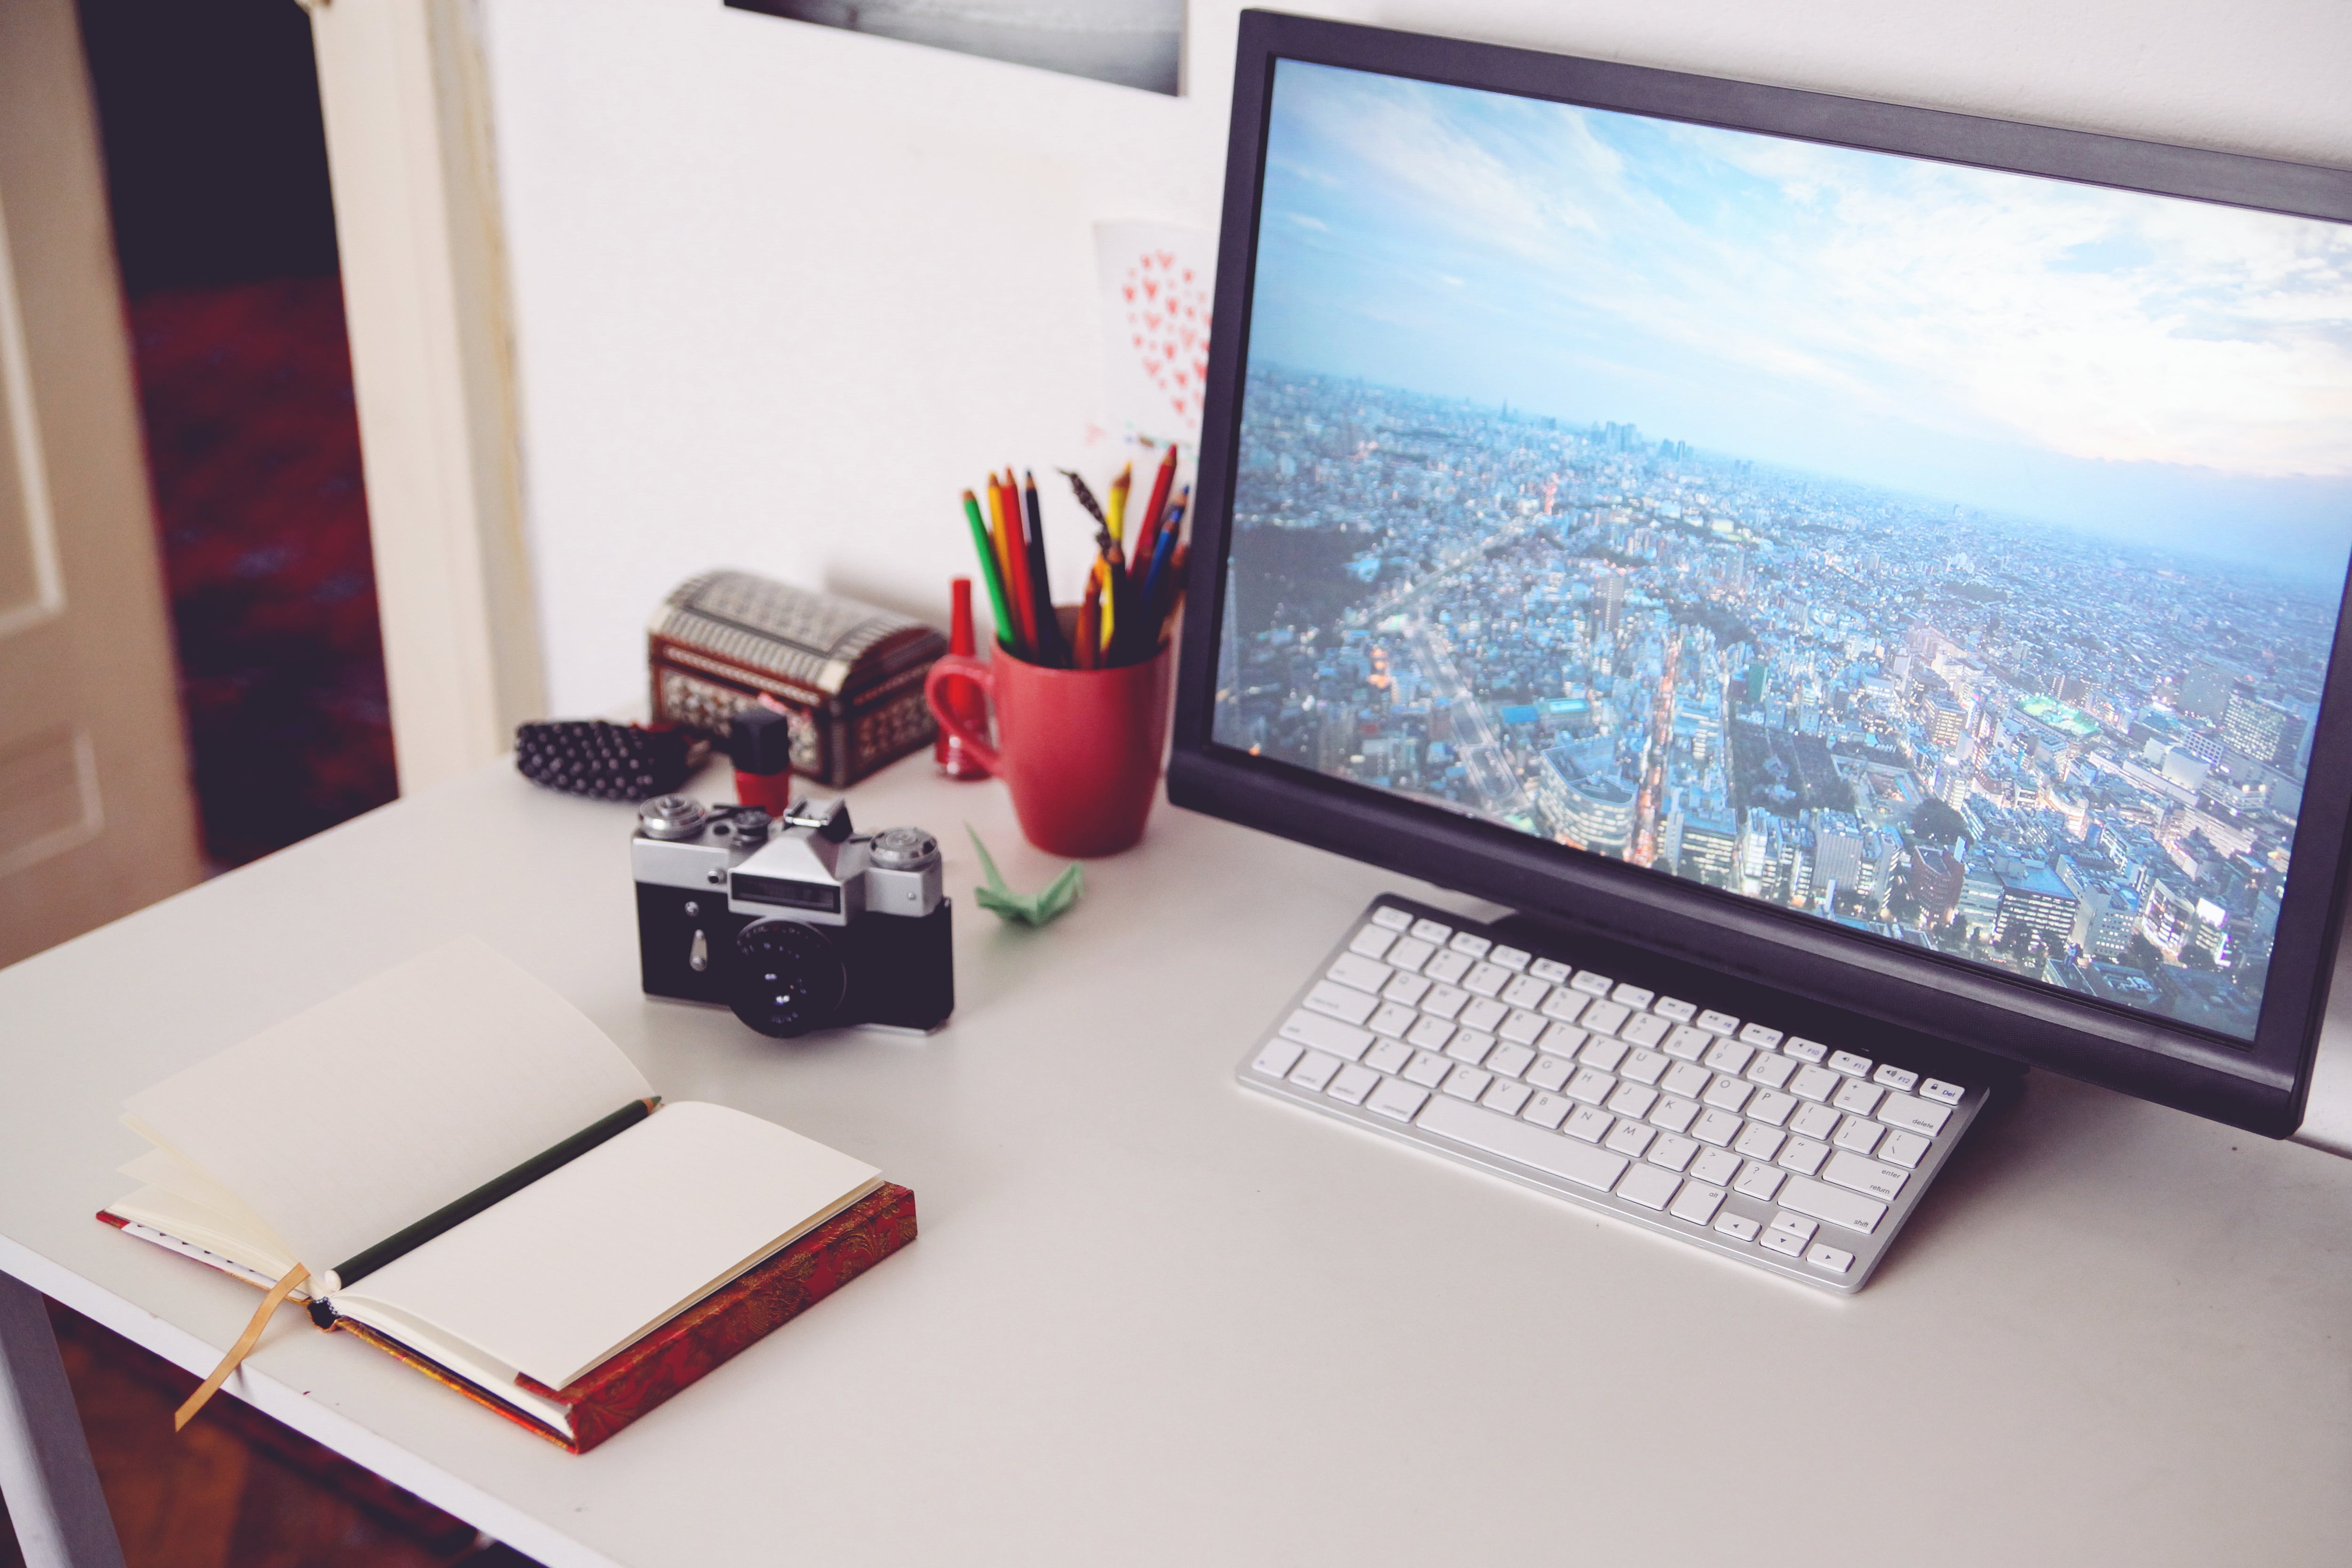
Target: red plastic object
x=1081, y=748
x=970, y=706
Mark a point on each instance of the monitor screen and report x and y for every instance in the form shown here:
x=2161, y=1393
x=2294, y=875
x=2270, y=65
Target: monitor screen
x=1949, y=554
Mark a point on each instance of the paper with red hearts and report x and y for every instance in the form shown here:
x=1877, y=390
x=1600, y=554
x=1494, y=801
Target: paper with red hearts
x=1157, y=284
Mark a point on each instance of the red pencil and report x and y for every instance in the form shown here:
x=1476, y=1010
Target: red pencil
x=1088, y=653
x=1016, y=565
x=1147, y=528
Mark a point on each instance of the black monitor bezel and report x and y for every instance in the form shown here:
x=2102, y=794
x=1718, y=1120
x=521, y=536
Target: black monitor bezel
x=2259, y=1087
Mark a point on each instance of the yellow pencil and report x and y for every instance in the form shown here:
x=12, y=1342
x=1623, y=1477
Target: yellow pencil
x=1115, y=510
x=1109, y=614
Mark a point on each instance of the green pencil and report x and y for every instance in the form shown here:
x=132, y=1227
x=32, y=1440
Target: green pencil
x=988, y=569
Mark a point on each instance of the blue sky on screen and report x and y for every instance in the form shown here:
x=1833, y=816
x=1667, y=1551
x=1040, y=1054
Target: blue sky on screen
x=2137, y=366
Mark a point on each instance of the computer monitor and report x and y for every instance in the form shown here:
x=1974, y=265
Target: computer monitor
x=1895, y=556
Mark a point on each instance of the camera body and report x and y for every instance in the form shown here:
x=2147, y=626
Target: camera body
x=797, y=925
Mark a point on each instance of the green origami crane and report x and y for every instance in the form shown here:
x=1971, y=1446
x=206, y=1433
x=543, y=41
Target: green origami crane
x=1030, y=908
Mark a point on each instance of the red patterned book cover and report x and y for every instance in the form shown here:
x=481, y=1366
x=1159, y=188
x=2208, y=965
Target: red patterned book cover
x=609, y=1397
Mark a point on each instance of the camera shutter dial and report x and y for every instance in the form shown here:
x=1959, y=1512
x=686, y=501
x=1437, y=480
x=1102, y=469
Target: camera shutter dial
x=903, y=849
x=789, y=979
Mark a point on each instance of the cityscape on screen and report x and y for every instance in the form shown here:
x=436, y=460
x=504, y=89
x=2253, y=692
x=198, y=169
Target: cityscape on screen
x=1514, y=535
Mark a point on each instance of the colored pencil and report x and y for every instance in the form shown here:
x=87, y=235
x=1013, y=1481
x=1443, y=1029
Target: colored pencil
x=991, y=572
x=1051, y=650
x=1117, y=506
x=1155, y=582
x=1016, y=571
x=1088, y=653
x=1147, y=528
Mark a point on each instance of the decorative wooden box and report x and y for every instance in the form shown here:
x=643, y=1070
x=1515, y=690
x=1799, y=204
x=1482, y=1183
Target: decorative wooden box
x=850, y=677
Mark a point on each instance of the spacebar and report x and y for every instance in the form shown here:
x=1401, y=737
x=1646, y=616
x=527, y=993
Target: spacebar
x=1515, y=1140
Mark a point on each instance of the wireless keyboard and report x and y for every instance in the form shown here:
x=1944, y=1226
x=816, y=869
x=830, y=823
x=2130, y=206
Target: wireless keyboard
x=1797, y=1155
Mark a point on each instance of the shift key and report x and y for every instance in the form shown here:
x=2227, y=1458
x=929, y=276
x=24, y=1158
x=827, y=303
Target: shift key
x=1343, y=1041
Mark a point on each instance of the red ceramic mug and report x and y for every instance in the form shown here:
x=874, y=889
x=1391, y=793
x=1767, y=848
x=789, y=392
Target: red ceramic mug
x=1079, y=750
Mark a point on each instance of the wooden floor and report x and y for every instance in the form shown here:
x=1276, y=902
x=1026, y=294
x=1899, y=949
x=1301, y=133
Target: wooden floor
x=236, y=1489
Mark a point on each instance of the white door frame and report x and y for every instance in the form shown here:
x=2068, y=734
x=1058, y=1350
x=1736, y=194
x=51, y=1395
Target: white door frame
x=409, y=149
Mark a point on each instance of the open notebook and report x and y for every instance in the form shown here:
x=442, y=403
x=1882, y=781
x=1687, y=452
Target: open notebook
x=472, y=1172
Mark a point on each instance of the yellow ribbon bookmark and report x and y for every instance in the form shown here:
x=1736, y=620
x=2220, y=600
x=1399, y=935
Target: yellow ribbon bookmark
x=295, y=1277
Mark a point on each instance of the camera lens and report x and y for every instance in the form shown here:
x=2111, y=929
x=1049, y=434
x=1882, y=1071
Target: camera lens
x=788, y=977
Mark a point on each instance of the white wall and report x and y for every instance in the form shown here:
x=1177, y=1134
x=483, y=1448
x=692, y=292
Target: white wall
x=782, y=291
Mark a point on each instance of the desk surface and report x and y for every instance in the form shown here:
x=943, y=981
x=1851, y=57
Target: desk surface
x=1154, y=1319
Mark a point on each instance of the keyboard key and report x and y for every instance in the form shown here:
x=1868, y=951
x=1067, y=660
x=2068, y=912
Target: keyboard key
x=1715, y=1165
x=1760, y=1182
x=1512, y=958
x=1551, y=971
x=1343, y=1002
x=1914, y=1115
x=1717, y=1023
x=1593, y=985
x=1395, y=1098
x=1443, y=1002
x=1277, y=1059
x=1894, y=1077
x=1644, y=1066
x=1393, y=918
x=1354, y=1081
x=1483, y=1013
x=1715, y=1127
x=1469, y=945
x=1686, y=1078
x=1805, y=1049
x=1447, y=968
x=1865, y=1176
x=1604, y=1051
x=1343, y=1041
x=1470, y=1046
x=1407, y=989
x=1649, y=1185
x=1834, y=1204
x=1905, y=1149
x=1848, y=1062
x=1550, y=1072
x=1410, y=953
x=1757, y=1035
x=1727, y=1093
x=1588, y=1123
x=1730, y=1056
x=1591, y=1085
x=1673, y=1113
x=1771, y=1071
x=1822, y=1255
x=1644, y=1029
x=1562, y=1039
x=1466, y=1082
x=1814, y=1121
x=1857, y=1135
x=1633, y=995
x=1697, y=1202
x=1799, y=1226
x=1814, y=1084
x=1737, y=1225
x=1430, y=1034
x=1515, y=1140
x=1565, y=1005
x=1670, y=1150
x=1372, y=941
x=1314, y=1070
x=1633, y=1099
x=1391, y=1019
x=1355, y=969
x=1388, y=1056
x=1781, y=1241
x=1505, y=1096
x=1941, y=1093
x=1487, y=980
x=1803, y=1155
x=1856, y=1097
x=1427, y=1069
x=1546, y=1110
x=1759, y=1142
x=1602, y=1018
x=1772, y=1107
x=1522, y=1027
x=1526, y=991
x=1629, y=1138
x=1673, y=1008
x=1509, y=1059
x=1686, y=1044
x=1430, y=931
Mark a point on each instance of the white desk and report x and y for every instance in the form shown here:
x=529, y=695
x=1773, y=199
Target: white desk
x=1152, y=1319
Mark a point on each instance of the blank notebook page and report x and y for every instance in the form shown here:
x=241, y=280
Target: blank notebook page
x=591, y=1256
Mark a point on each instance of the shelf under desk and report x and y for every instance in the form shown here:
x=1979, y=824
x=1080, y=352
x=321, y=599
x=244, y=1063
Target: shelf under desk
x=1154, y=1319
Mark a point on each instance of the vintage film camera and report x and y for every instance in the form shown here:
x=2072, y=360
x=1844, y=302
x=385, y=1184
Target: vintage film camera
x=797, y=925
